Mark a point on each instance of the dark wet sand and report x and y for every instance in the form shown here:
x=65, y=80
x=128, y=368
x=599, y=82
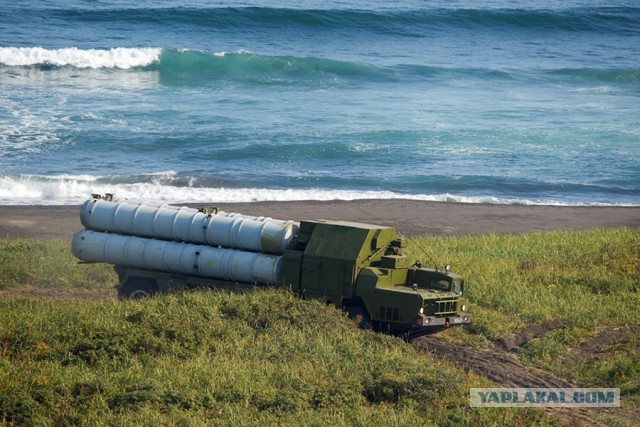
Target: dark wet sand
x=410, y=217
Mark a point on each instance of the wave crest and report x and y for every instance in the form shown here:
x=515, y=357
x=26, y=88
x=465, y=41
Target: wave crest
x=193, y=67
x=120, y=57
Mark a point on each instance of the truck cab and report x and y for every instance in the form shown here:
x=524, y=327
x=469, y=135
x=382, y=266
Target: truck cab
x=361, y=268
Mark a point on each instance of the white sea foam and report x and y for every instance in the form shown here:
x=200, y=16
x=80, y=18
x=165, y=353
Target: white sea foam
x=25, y=132
x=239, y=52
x=73, y=190
x=123, y=58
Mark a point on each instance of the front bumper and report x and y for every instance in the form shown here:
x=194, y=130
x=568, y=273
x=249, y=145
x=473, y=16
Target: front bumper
x=432, y=321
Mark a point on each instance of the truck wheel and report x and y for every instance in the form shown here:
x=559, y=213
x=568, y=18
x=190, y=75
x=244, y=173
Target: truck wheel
x=359, y=314
x=137, y=288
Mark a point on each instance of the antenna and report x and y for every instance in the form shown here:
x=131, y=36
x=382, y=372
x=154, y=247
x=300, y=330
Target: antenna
x=428, y=256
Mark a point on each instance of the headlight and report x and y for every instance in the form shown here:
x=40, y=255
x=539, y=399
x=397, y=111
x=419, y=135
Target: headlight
x=421, y=310
x=464, y=307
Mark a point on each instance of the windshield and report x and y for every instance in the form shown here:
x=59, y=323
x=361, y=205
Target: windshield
x=441, y=284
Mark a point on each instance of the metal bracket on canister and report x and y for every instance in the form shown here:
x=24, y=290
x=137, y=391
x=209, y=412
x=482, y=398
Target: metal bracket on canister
x=209, y=210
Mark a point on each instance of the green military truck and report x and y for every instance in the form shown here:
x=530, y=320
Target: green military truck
x=359, y=267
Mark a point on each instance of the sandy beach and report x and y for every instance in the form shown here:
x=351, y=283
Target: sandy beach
x=410, y=217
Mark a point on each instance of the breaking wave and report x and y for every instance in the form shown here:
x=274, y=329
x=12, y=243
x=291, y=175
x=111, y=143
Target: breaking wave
x=170, y=187
x=121, y=57
x=193, y=67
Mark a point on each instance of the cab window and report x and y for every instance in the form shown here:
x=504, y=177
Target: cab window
x=457, y=287
x=440, y=284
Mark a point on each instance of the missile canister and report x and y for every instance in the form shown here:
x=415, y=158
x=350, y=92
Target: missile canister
x=183, y=224
x=175, y=257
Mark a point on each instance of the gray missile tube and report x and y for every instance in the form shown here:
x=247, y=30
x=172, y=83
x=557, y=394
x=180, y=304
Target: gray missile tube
x=175, y=257
x=183, y=224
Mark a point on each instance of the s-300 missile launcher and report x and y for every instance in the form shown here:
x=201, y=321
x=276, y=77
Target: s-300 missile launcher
x=360, y=267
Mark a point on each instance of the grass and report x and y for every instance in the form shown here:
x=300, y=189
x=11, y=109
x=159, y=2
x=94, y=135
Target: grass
x=266, y=357
x=213, y=358
x=589, y=280
x=48, y=265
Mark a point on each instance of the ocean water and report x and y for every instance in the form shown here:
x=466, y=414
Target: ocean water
x=481, y=101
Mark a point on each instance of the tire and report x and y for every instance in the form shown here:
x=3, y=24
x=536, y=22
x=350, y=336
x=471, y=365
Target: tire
x=358, y=314
x=138, y=288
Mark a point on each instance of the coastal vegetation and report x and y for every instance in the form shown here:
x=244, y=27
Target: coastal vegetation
x=587, y=282
x=71, y=354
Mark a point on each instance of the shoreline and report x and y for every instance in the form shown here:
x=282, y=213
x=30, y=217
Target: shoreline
x=410, y=217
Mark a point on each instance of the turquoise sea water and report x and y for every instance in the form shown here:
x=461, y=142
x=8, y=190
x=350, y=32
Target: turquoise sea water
x=187, y=101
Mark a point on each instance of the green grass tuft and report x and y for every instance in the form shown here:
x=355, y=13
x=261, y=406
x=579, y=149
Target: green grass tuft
x=49, y=265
